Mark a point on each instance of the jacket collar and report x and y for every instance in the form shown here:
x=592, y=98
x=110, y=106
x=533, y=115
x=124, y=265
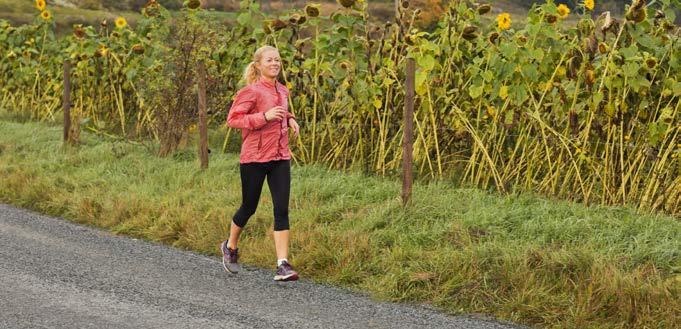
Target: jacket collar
x=267, y=84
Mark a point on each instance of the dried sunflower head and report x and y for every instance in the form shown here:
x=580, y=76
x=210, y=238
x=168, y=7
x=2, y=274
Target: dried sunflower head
x=312, y=10
x=193, y=4
x=492, y=37
x=78, y=31
x=346, y=3
x=602, y=48
x=651, y=62
x=278, y=24
x=138, y=49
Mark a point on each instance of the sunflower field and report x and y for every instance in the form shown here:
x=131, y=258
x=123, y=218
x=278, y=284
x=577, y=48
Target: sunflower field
x=589, y=112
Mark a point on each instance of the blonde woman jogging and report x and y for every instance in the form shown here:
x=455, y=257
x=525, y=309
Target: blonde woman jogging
x=260, y=110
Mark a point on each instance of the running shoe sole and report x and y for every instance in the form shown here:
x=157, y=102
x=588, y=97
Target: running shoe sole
x=285, y=278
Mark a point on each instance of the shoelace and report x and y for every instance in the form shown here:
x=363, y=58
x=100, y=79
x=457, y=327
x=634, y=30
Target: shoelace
x=233, y=255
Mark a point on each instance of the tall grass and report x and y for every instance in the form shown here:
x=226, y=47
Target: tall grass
x=518, y=257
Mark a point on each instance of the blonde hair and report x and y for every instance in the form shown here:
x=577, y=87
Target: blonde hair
x=251, y=74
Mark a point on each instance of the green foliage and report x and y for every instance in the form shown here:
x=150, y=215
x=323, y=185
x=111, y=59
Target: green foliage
x=589, y=112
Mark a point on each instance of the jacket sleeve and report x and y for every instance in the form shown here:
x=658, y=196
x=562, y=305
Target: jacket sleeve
x=289, y=115
x=240, y=116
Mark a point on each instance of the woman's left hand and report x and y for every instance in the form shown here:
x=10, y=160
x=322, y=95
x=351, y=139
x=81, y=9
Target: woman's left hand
x=294, y=125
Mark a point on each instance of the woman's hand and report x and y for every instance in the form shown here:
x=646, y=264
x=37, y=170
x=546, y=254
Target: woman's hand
x=275, y=113
x=294, y=125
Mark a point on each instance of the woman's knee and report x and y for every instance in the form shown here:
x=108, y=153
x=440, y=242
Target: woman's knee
x=281, y=223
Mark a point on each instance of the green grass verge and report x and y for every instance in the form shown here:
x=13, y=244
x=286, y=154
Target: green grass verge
x=519, y=258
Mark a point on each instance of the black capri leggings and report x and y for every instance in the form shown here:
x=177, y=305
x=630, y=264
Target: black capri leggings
x=253, y=175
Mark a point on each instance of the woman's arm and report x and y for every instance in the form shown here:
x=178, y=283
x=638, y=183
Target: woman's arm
x=240, y=116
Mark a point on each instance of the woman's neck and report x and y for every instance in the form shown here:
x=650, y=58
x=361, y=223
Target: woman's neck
x=268, y=79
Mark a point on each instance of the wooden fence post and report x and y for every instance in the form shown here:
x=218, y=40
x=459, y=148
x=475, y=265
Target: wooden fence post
x=203, y=125
x=66, y=100
x=407, y=142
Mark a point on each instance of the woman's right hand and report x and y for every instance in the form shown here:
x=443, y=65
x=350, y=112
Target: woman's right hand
x=277, y=112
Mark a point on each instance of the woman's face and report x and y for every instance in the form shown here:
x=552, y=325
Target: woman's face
x=270, y=64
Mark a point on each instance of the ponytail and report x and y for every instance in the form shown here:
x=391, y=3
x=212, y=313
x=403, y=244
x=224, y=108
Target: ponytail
x=251, y=73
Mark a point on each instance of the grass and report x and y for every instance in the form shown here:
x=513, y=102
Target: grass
x=521, y=258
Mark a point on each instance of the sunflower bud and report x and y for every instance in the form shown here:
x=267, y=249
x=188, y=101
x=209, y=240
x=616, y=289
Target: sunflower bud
x=551, y=19
x=405, y=4
x=138, y=49
x=484, y=9
x=312, y=10
x=115, y=34
x=193, y=4
x=344, y=65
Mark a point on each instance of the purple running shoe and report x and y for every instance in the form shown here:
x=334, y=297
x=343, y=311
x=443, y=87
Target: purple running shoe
x=230, y=258
x=285, y=273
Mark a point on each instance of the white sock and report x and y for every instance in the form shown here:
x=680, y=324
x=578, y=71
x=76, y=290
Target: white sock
x=281, y=261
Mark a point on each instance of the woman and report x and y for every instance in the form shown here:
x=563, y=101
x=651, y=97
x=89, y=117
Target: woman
x=260, y=110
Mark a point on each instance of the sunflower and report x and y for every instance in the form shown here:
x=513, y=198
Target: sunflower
x=563, y=11
x=102, y=51
x=194, y=4
x=589, y=4
x=121, y=22
x=46, y=15
x=504, y=21
x=312, y=10
x=40, y=4
x=346, y=3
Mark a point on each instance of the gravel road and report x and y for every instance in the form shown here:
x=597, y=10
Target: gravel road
x=56, y=274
